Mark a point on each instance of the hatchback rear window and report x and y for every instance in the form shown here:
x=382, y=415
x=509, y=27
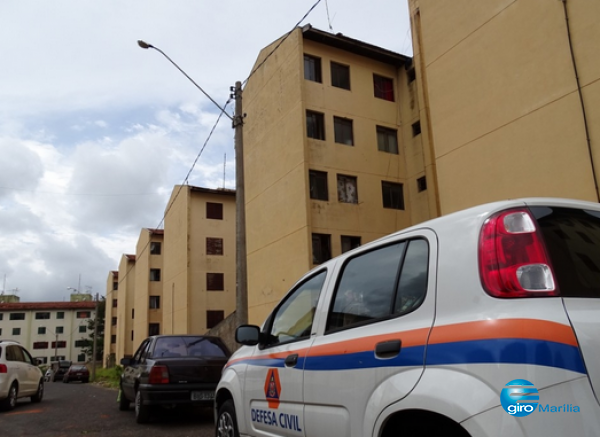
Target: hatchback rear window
x=572, y=238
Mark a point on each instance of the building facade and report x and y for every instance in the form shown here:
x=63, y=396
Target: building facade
x=49, y=330
x=334, y=156
x=512, y=91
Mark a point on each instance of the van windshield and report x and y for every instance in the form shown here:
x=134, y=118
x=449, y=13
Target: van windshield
x=572, y=238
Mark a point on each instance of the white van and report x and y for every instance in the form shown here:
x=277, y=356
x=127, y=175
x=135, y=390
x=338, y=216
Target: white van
x=485, y=322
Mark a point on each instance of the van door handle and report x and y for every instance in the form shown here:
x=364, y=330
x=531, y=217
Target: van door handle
x=388, y=349
x=291, y=360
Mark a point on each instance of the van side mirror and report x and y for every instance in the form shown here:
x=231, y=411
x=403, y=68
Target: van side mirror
x=248, y=335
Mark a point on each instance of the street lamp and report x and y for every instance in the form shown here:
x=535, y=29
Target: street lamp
x=240, y=202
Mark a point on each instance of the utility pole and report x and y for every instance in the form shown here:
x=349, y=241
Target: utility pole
x=94, y=339
x=240, y=211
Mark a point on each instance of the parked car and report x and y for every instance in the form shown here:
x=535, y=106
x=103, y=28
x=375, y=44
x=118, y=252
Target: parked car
x=461, y=326
x=60, y=368
x=20, y=377
x=172, y=370
x=77, y=372
x=48, y=375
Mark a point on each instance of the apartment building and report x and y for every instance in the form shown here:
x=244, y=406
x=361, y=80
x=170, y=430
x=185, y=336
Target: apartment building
x=181, y=279
x=512, y=89
x=336, y=155
x=49, y=330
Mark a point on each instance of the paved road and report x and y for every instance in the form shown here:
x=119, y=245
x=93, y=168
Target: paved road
x=77, y=409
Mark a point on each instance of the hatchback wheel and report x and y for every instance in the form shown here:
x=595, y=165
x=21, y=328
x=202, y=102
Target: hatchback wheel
x=142, y=412
x=39, y=394
x=227, y=422
x=11, y=401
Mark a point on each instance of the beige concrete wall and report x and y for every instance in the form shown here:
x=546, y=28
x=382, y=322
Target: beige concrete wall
x=126, y=292
x=109, y=313
x=506, y=120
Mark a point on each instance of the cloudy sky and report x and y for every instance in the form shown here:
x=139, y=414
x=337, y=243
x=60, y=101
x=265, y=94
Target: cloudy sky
x=95, y=131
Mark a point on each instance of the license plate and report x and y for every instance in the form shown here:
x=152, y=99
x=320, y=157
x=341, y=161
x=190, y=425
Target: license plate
x=203, y=395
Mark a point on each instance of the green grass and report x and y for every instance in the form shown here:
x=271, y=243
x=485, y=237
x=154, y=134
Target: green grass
x=109, y=377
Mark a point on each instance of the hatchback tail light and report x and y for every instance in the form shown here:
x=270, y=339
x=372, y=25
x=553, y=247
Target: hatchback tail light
x=512, y=257
x=159, y=375
x=3, y=368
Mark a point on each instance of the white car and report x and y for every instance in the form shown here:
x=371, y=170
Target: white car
x=484, y=322
x=20, y=376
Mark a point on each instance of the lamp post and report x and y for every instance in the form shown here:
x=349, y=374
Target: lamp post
x=240, y=202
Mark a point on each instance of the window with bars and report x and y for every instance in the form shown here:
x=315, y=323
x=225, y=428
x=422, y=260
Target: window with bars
x=42, y=316
x=40, y=345
x=17, y=316
x=214, y=246
x=383, y=87
x=347, y=189
x=41, y=330
x=321, y=248
x=342, y=129
x=315, y=125
x=214, y=317
x=318, y=185
x=154, y=303
x=340, y=75
x=83, y=314
x=215, y=282
x=387, y=140
x=312, y=68
x=393, y=195
x=214, y=211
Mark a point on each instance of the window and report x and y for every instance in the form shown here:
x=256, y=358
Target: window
x=155, y=248
x=41, y=330
x=215, y=282
x=214, y=211
x=312, y=68
x=40, y=345
x=387, y=139
x=393, y=196
x=349, y=243
x=421, y=183
x=113, y=321
x=416, y=128
x=82, y=329
x=342, y=128
x=0, y=331
x=81, y=358
x=114, y=303
x=154, y=329
x=132, y=313
x=318, y=185
x=59, y=329
x=213, y=318
x=383, y=87
x=214, y=246
x=389, y=281
x=17, y=316
x=154, y=275
x=315, y=125
x=80, y=343
x=154, y=302
x=113, y=339
x=115, y=286
x=1, y=316
x=340, y=75
x=42, y=316
x=321, y=248
x=83, y=314
x=60, y=315
x=347, y=191
x=294, y=317
x=16, y=331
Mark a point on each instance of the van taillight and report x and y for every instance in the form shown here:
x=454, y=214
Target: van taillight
x=159, y=375
x=3, y=368
x=512, y=257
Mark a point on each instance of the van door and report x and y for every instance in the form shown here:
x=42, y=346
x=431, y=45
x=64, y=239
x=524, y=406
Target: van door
x=371, y=351
x=273, y=393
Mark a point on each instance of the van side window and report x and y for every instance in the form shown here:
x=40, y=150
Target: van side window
x=384, y=282
x=294, y=317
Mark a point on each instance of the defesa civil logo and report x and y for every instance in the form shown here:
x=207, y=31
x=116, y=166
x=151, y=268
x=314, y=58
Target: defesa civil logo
x=520, y=398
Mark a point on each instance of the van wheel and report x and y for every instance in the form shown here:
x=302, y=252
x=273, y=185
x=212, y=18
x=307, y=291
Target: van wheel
x=11, y=401
x=39, y=394
x=226, y=422
x=142, y=412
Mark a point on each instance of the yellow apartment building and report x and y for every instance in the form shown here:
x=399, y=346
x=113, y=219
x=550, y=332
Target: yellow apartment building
x=110, y=318
x=336, y=154
x=199, y=283
x=512, y=92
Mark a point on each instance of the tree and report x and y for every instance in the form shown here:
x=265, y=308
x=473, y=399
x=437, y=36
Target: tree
x=88, y=343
